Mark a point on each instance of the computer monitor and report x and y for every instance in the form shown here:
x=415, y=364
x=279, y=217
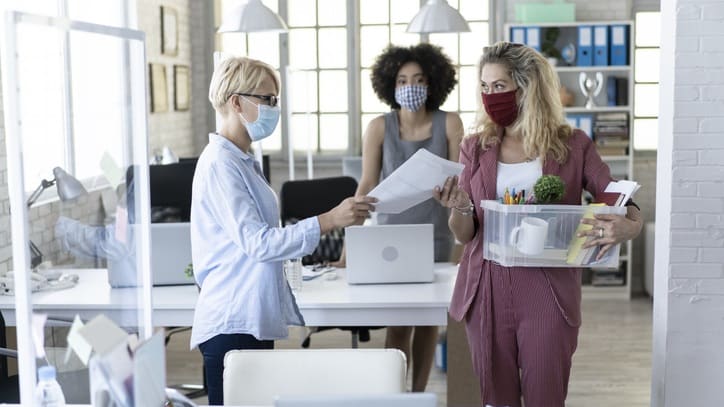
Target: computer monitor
x=170, y=186
x=170, y=189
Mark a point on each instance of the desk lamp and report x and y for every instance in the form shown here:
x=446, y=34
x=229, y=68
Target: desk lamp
x=437, y=17
x=68, y=188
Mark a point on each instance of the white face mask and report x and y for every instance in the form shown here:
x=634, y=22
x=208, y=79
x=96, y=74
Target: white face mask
x=265, y=123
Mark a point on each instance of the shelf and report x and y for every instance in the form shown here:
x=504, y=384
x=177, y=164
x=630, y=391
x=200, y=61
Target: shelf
x=597, y=109
x=601, y=68
x=614, y=158
x=570, y=23
x=605, y=292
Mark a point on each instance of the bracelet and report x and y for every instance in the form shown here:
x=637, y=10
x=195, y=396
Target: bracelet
x=467, y=211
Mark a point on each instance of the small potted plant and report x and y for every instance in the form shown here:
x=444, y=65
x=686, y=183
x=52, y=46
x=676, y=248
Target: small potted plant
x=549, y=189
x=548, y=46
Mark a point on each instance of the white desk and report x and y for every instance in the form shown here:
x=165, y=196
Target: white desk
x=322, y=302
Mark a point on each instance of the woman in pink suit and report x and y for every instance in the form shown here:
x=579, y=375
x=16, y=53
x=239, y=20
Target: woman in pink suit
x=522, y=322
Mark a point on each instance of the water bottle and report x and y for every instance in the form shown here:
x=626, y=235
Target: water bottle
x=293, y=271
x=48, y=392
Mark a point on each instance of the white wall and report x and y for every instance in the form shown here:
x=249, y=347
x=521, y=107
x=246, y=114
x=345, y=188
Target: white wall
x=689, y=282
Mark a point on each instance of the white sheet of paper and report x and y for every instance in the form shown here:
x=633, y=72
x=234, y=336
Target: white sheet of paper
x=77, y=343
x=149, y=372
x=102, y=334
x=413, y=182
x=113, y=173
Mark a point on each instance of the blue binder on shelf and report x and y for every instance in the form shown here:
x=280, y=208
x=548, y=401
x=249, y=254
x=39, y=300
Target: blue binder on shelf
x=532, y=38
x=581, y=121
x=611, y=90
x=585, y=46
x=517, y=35
x=585, y=123
x=600, y=45
x=619, y=44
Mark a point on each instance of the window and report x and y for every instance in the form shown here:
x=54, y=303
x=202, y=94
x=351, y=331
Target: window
x=72, y=127
x=384, y=22
x=318, y=75
x=262, y=46
x=327, y=112
x=646, y=80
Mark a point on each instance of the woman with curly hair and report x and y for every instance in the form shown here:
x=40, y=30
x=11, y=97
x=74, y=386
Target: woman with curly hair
x=522, y=322
x=414, y=81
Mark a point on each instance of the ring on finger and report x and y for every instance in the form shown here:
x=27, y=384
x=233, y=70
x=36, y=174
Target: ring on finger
x=600, y=233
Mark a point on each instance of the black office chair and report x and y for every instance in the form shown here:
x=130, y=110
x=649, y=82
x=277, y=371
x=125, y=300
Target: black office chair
x=305, y=198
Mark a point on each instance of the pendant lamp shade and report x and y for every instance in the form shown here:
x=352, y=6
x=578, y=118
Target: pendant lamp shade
x=437, y=17
x=252, y=16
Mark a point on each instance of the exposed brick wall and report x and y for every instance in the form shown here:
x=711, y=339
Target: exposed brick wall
x=689, y=288
x=170, y=128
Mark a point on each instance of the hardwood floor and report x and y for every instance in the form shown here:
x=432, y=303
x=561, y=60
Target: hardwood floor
x=612, y=366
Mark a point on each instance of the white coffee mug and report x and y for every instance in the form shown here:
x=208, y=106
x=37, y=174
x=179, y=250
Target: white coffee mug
x=530, y=237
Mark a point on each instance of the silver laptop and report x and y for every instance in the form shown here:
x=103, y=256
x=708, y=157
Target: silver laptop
x=382, y=400
x=389, y=254
x=170, y=253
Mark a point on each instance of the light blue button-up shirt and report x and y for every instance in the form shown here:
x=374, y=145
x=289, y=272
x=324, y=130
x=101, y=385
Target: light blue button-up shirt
x=238, y=248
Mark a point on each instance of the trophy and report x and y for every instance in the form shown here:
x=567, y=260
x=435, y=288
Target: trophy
x=590, y=87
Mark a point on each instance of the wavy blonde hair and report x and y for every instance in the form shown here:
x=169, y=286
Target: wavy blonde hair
x=238, y=75
x=540, y=113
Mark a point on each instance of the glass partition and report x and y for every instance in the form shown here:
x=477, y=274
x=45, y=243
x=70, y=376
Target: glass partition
x=75, y=109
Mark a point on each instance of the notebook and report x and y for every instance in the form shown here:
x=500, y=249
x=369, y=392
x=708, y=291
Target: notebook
x=170, y=253
x=389, y=254
x=382, y=400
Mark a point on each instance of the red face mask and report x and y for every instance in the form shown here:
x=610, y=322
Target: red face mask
x=501, y=107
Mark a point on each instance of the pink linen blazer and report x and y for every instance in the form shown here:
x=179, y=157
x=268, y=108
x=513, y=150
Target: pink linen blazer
x=583, y=169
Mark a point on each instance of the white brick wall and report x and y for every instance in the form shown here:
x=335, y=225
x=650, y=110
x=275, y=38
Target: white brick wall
x=689, y=288
x=171, y=128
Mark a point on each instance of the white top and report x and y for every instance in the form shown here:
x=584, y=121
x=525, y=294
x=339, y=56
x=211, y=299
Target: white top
x=521, y=176
x=238, y=248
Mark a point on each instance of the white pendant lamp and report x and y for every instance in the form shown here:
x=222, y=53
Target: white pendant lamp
x=252, y=16
x=437, y=17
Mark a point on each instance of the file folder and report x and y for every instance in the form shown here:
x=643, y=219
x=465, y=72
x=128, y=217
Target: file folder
x=611, y=90
x=585, y=123
x=532, y=38
x=517, y=35
x=572, y=120
x=585, y=46
x=600, y=45
x=619, y=44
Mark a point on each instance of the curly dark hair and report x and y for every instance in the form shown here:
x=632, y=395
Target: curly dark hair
x=436, y=66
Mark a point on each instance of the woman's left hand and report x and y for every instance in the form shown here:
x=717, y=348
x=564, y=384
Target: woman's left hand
x=609, y=230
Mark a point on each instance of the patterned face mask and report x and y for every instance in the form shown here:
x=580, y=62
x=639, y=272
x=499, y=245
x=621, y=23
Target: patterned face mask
x=411, y=97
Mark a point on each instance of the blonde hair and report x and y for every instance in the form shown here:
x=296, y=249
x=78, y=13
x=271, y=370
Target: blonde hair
x=238, y=75
x=541, y=120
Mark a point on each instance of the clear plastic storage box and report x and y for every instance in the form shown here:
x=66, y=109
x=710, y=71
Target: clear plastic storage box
x=543, y=235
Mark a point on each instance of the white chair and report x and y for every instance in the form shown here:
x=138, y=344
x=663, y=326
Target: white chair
x=255, y=377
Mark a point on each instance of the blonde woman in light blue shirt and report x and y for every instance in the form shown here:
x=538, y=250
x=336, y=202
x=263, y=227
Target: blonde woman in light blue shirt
x=237, y=243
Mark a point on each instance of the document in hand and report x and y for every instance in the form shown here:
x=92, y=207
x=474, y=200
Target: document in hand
x=413, y=182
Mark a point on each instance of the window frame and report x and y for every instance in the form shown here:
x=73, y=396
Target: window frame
x=636, y=82
x=354, y=97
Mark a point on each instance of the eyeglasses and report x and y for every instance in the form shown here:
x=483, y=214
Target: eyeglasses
x=270, y=99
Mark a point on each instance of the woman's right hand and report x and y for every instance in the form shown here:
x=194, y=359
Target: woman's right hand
x=450, y=196
x=349, y=212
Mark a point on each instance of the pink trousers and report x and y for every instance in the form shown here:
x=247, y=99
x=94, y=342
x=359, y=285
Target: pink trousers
x=526, y=339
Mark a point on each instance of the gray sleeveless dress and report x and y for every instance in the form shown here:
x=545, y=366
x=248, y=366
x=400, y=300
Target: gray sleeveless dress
x=396, y=151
